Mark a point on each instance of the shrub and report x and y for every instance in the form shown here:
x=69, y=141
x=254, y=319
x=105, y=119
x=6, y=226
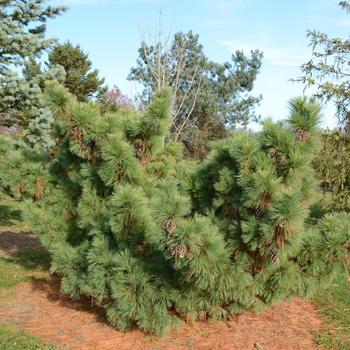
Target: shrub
x=332, y=164
x=154, y=239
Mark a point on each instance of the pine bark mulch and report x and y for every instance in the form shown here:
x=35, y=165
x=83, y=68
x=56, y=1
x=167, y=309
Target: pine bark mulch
x=41, y=310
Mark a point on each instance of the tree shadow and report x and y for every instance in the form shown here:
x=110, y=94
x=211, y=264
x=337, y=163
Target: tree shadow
x=52, y=289
x=30, y=260
x=23, y=249
x=316, y=212
x=9, y=216
x=12, y=243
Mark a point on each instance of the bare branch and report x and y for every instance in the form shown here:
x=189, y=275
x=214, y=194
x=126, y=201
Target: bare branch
x=179, y=130
x=197, y=71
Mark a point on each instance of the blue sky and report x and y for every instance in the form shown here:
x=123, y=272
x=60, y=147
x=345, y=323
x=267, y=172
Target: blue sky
x=111, y=30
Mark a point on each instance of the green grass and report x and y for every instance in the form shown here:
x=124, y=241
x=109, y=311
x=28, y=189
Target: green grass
x=334, y=304
x=10, y=339
x=10, y=215
x=23, y=267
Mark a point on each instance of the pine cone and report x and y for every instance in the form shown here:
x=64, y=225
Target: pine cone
x=83, y=146
x=258, y=346
x=274, y=256
x=77, y=135
x=39, y=188
x=272, y=152
x=302, y=135
x=326, y=186
x=179, y=251
x=139, y=151
x=170, y=226
x=259, y=213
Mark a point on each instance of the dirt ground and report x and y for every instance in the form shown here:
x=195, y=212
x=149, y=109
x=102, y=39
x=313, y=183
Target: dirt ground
x=41, y=310
x=13, y=242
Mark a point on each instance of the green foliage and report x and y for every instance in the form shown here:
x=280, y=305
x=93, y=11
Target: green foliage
x=21, y=266
x=80, y=79
x=332, y=164
x=325, y=248
x=207, y=97
x=304, y=113
x=154, y=239
x=328, y=71
x=259, y=189
x=31, y=69
x=334, y=304
x=332, y=247
x=23, y=25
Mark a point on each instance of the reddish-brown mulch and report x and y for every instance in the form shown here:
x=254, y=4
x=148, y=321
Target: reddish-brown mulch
x=41, y=310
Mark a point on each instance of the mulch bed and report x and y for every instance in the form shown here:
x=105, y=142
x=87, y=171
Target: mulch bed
x=40, y=309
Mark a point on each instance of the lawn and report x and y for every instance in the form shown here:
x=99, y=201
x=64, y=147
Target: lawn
x=334, y=304
x=11, y=339
x=26, y=266
x=23, y=267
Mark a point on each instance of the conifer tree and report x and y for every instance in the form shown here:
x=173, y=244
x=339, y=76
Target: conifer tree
x=80, y=79
x=154, y=239
x=208, y=97
x=259, y=189
x=23, y=26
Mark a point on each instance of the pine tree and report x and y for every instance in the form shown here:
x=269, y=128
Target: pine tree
x=154, y=239
x=208, y=96
x=324, y=252
x=23, y=25
x=80, y=79
x=259, y=189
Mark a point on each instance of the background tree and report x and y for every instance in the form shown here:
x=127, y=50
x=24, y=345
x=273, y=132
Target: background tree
x=332, y=164
x=80, y=79
x=113, y=100
x=22, y=36
x=31, y=69
x=208, y=97
x=328, y=70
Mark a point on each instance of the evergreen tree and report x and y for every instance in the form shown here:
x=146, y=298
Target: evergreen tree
x=80, y=79
x=155, y=239
x=258, y=188
x=23, y=25
x=325, y=249
x=208, y=97
x=31, y=69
